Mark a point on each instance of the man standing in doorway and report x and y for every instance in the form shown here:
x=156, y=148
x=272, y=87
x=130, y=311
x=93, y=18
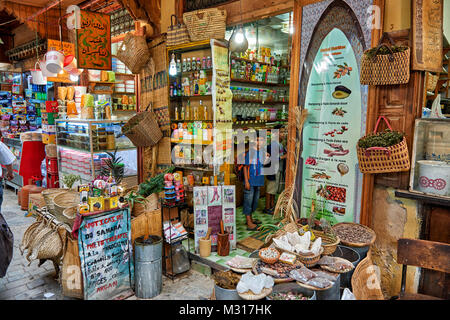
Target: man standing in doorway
x=253, y=181
x=7, y=159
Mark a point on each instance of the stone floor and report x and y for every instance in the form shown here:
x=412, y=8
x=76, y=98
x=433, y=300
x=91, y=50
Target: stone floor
x=24, y=281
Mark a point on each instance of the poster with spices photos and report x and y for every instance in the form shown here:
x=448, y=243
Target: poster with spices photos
x=229, y=212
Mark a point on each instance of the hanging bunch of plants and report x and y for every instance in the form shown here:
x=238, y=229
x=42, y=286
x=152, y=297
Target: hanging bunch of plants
x=386, y=138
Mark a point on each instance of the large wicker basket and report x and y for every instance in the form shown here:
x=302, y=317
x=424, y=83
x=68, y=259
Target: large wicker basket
x=387, y=69
x=49, y=195
x=143, y=130
x=134, y=52
x=384, y=159
x=356, y=244
x=65, y=201
x=206, y=24
x=365, y=273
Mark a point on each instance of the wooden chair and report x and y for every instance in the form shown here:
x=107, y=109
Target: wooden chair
x=424, y=254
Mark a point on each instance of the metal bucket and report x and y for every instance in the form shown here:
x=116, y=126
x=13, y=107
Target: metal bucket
x=362, y=251
x=330, y=294
x=293, y=287
x=351, y=255
x=148, y=267
x=226, y=294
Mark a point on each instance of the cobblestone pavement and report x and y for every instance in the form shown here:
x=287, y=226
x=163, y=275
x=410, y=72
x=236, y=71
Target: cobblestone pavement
x=24, y=281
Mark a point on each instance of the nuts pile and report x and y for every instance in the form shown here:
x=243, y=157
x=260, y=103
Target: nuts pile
x=353, y=233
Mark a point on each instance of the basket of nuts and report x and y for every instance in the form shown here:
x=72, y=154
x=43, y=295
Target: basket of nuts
x=269, y=255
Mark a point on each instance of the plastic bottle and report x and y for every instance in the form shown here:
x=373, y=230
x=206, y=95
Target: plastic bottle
x=183, y=67
x=188, y=64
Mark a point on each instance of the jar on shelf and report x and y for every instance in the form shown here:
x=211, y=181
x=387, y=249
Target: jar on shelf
x=110, y=140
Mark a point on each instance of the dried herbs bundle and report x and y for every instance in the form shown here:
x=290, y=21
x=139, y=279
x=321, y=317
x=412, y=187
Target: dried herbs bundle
x=386, y=138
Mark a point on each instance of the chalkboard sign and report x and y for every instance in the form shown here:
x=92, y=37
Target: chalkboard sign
x=104, y=243
x=94, y=41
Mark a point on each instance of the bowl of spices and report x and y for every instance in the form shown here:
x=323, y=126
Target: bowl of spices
x=269, y=255
x=356, y=236
x=291, y=291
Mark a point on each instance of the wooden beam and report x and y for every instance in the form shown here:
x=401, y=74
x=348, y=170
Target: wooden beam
x=424, y=254
x=293, y=90
x=372, y=113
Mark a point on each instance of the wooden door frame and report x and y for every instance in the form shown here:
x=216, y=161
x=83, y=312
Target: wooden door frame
x=368, y=179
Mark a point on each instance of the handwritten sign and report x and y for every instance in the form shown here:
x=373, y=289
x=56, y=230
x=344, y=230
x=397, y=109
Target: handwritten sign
x=94, y=41
x=67, y=48
x=427, y=35
x=104, y=243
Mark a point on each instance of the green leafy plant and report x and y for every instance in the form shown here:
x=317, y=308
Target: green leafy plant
x=385, y=139
x=133, y=198
x=154, y=184
x=113, y=166
x=70, y=179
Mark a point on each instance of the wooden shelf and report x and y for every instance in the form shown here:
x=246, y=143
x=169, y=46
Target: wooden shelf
x=259, y=101
x=188, y=97
x=419, y=196
x=260, y=83
x=192, y=142
x=125, y=74
x=102, y=82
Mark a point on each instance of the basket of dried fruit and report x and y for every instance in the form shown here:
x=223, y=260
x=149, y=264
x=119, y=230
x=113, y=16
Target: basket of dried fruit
x=269, y=255
x=354, y=234
x=330, y=241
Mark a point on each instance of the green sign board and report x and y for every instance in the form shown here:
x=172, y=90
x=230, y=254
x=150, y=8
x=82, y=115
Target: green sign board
x=333, y=100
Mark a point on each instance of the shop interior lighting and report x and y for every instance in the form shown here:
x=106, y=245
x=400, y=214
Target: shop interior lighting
x=238, y=41
x=173, y=66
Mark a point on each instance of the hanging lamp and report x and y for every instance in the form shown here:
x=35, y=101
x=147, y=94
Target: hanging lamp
x=238, y=41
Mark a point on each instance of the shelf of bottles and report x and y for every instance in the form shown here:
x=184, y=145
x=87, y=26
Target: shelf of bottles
x=260, y=88
x=190, y=85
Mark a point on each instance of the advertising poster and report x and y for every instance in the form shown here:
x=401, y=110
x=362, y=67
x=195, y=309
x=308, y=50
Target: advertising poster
x=200, y=199
x=68, y=49
x=104, y=243
x=229, y=212
x=212, y=204
x=222, y=103
x=330, y=135
x=94, y=41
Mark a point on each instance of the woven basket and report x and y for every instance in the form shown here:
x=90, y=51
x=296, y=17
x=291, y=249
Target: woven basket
x=177, y=33
x=142, y=129
x=50, y=247
x=329, y=241
x=48, y=195
x=432, y=80
x=249, y=295
x=133, y=52
x=365, y=273
x=206, y=24
x=64, y=201
x=69, y=215
x=268, y=260
x=383, y=160
x=308, y=260
x=51, y=151
x=389, y=69
x=356, y=244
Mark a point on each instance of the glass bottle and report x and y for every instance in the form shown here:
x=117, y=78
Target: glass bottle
x=188, y=111
x=209, y=63
x=193, y=64
x=188, y=64
x=183, y=67
x=204, y=63
x=178, y=66
x=176, y=113
x=183, y=113
x=199, y=64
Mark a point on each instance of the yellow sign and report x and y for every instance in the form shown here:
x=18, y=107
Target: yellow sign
x=67, y=48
